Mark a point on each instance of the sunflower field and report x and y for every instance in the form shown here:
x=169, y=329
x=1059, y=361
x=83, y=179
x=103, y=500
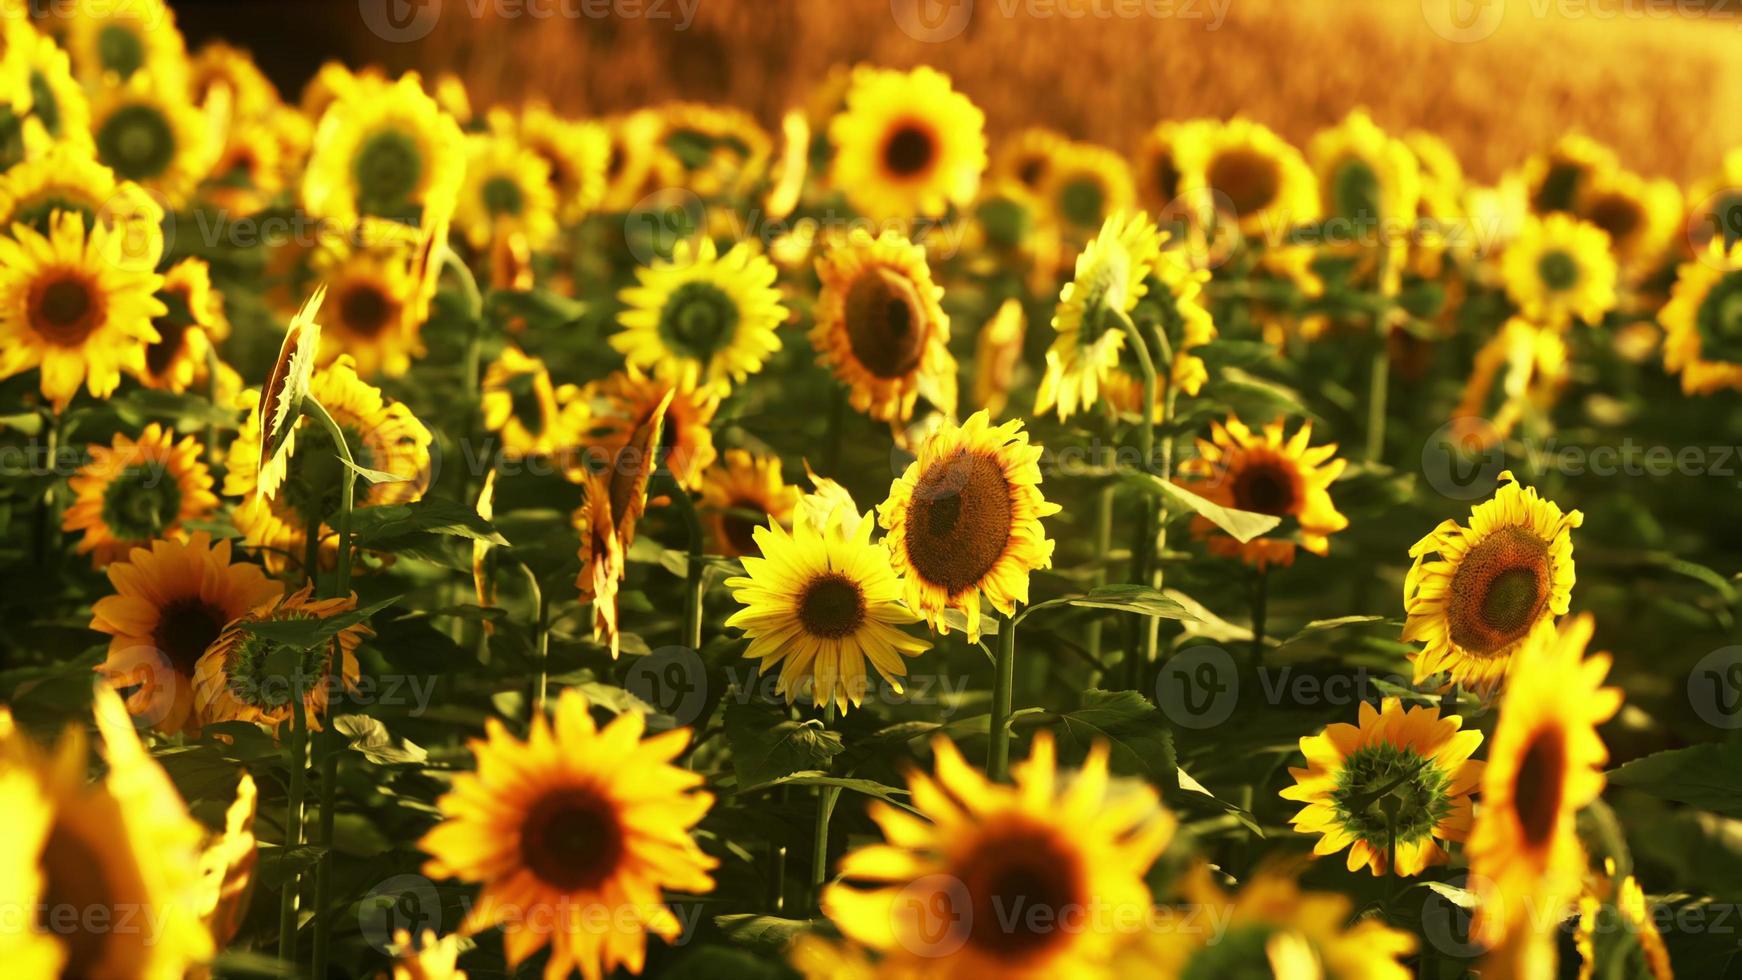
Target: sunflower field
x=448, y=540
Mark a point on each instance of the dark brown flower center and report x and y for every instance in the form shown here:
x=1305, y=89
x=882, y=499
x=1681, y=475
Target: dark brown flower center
x=1022, y=884
x=1266, y=486
x=886, y=322
x=172, y=333
x=959, y=521
x=185, y=628
x=1616, y=215
x=75, y=889
x=1166, y=177
x=367, y=310
x=909, y=150
x=1499, y=591
x=65, y=310
x=831, y=606
x=1248, y=178
x=1538, y=787
x=740, y=530
x=572, y=839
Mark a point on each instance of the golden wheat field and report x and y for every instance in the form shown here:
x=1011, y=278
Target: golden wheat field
x=922, y=489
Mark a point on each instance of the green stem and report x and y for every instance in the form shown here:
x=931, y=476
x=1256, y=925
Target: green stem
x=832, y=438
x=1003, y=684
x=47, y=508
x=1104, y=501
x=347, y=495
x=826, y=798
x=541, y=638
x=211, y=396
x=1379, y=385
x=1260, y=607
x=1391, y=804
x=694, y=565
x=287, y=899
x=1141, y=647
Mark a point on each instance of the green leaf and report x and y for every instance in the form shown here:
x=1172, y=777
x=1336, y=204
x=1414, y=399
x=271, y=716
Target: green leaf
x=370, y=737
x=767, y=745
x=1140, y=599
x=1707, y=776
x=540, y=308
x=816, y=777
x=769, y=934
x=1136, y=732
x=1325, y=625
x=306, y=634
x=373, y=476
x=27, y=423
x=372, y=526
x=1243, y=525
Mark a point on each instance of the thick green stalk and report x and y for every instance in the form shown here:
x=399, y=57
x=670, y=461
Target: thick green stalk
x=694, y=565
x=1003, y=684
x=287, y=899
x=541, y=639
x=826, y=798
x=1142, y=646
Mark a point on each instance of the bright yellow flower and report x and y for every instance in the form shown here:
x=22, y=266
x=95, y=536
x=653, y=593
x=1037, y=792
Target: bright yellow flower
x=906, y=144
x=1702, y=322
x=1560, y=269
x=234, y=680
x=1110, y=279
x=189, y=333
x=750, y=484
x=134, y=492
x=385, y=150
x=879, y=323
x=1084, y=186
x=1267, y=473
x=507, y=189
x=148, y=134
x=701, y=316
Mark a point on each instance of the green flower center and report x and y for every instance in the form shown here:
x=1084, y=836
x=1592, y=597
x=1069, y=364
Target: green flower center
x=1355, y=192
x=44, y=106
x=250, y=680
x=1558, y=270
x=1242, y=954
x=1499, y=591
x=1719, y=320
x=697, y=320
x=1005, y=222
x=120, y=49
x=387, y=169
x=1416, y=784
x=312, y=485
x=141, y=502
x=528, y=408
x=137, y=141
x=502, y=196
x=1082, y=201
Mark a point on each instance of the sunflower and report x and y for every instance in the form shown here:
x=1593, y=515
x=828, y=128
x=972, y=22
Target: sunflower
x=1084, y=186
x=1026, y=157
x=1408, y=761
x=1271, y=928
x=965, y=519
x=227, y=865
x=722, y=150
x=1715, y=205
x=30, y=951
x=574, y=821
x=1616, y=925
x=741, y=493
x=278, y=410
x=1110, y=278
x=1545, y=763
x=429, y=959
x=381, y=433
x=69, y=178
x=234, y=679
x=1488, y=585
x=998, y=355
x=132, y=492
x=1559, y=269
x=73, y=306
x=1175, y=298
x=577, y=154
x=251, y=169
x=819, y=604
x=1372, y=183
x=1640, y=216
x=786, y=180
x=1268, y=473
x=1522, y=368
x=188, y=334
x=1164, y=155
x=521, y=406
x=1251, y=177
x=636, y=162
x=220, y=72
x=1072, y=849
x=507, y=189
x=906, y=144
x=386, y=150
x=879, y=324
x=380, y=296
x=602, y=558
x=121, y=850
x=1554, y=180
x=112, y=42
x=1702, y=322
x=153, y=138
x=701, y=316
x=58, y=102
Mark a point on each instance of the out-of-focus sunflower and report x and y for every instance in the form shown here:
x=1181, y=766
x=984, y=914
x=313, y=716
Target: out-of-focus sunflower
x=1083, y=186
x=601, y=555
x=1488, y=585
x=28, y=952
x=1617, y=926
x=964, y=519
x=227, y=864
x=234, y=679
x=1702, y=322
x=58, y=102
x=73, y=306
x=721, y=149
x=576, y=152
x=250, y=170
x=786, y=180
x=386, y=150
x=1640, y=216
x=1560, y=269
x=332, y=82
x=1409, y=761
x=1443, y=218
x=68, y=178
x=1267, y=473
x=1715, y=206
x=171, y=600
x=637, y=162
x=135, y=491
x=1554, y=179
x=110, y=43
x=522, y=407
x=880, y=326
x=429, y=959
x=381, y=434
x=1251, y=177
x=630, y=400
x=998, y=355
x=816, y=958
x=1026, y=156
x=507, y=189
x=119, y=850
x=576, y=817
x=147, y=133
x=819, y=604
x=278, y=410
x=221, y=72
x=906, y=144
x=1110, y=278
x=1545, y=763
x=1164, y=155
x=1370, y=184
x=701, y=316
x=1271, y=928
x=187, y=334
x=1520, y=369
x=1073, y=847
x=1175, y=297
x=1007, y=233
x=375, y=275
x=741, y=485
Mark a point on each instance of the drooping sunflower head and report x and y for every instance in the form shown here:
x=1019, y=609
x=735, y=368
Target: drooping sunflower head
x=575, y=152
x=1554, y=179
x=1110, y=278
x=1545, y=763
x=149, y=135
x=740, y=494
x=1398, y=770
x=386, y=150
x=601, y=554
x=702, y=315
x=134, y=492
x=964, y=520
x=577, y=816
x=240, y=676
x=507, y=189
x=171, y=600
x=879, y=322
x=1702, y=321
x=906, y=144
x=187, y=333
x=1071, y=845
x=819, y=603
x=112, y=43
x=1085, y=185
x=1027, y=156
x=521, y=406
x=685, y=411
x=1488, y=585
x=1250, y=177
x=1560, y=269
x=72, y=305
x=279, y=408
x=720, y=148
x=1520, y=369
x=1267, y=472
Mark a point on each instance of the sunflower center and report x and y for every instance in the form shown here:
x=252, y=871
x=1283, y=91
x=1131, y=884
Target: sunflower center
x=1006, y=222
x=1166, y=176
x=1728, y=215
x=1559, y=186
x=74, y=886
x=1031, y=169
x=1499, y=591
x=959, y=522
x=1082, y=201
x=1243, y=954
x=367, y=310
x=1373, y=773
x=185, y=628
x=1009, y=873
x=1616, y=215
x=250, y=680
x=697, y=320
x=65, y=310
x=562, y=173
x=1266, y=487
x=137, y=142
x=1536, y=790
x=387, y=169
x=523, y=400
x=740, y=530
x=141, y=502
x=43, y=103
x=831, y=606
x=120, y=50
x=886, y=323
x=312, y=485
x=1355, y=192
x=909, y=150
x=1558, y=270
x=171, y=333
x=572, y=839
x=1719, y=320
x=502, y=197
x=1248, y=178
